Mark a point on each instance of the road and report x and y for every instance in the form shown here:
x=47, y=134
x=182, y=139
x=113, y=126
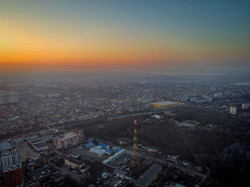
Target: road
x=130, y=115
x=175, y=165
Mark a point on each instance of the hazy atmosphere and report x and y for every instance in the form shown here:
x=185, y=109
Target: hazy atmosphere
x=124, y=93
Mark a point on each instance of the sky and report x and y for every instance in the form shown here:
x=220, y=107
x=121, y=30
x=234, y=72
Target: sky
x=139, y=35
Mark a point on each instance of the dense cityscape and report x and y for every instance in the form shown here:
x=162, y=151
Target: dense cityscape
x=103, y=132
x=116, y=93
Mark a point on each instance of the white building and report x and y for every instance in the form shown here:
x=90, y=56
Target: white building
x=97, y=150
x=233, y=110
x=9, y=159
x=245, y=106
x=156, y=116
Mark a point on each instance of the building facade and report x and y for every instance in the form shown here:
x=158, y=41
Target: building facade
x=7, y=97
x=69, y=139
x=233, y=110
x=10, y=166
x=73, y=163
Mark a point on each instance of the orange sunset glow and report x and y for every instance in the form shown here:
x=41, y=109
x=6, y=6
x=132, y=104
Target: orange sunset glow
x=72, y=39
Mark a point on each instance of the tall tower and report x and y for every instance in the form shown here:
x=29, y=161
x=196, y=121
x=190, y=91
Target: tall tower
x=135, y=144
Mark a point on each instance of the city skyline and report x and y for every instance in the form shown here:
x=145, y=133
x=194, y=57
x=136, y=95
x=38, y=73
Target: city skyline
x=125, y=93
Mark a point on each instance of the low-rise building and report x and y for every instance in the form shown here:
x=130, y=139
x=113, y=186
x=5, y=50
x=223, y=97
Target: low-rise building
x=18, y=139
x=166, y=104
x=149, y=176
x=245, y=106
x=69, y=139
x=40, y=146
x=73, y=163
x=97, y=150
x=122, y=174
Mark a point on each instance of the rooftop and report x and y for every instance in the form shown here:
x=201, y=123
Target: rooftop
x=67, y=135
x=89, y=144
x=104, y=146
x=40, y=145
x=166, y=103
x=75, y=161
x=75, y=130
x=149, y=175
x=5, y=92
x=5, y=146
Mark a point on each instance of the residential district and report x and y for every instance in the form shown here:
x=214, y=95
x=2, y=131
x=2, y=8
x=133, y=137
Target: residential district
x=152, y=131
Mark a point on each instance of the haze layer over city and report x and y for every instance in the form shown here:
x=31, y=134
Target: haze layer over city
x=144, y=93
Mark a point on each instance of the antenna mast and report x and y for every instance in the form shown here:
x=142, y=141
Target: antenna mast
x=135, y=145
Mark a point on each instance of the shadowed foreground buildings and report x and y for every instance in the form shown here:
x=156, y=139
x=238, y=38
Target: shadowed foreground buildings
x=10, y=166
x=149, y=176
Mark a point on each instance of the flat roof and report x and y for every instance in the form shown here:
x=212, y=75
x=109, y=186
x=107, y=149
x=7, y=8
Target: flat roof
x=148, y=176
x=73, y=160
x=103, y=145
x=5, y=146
x=75, y=130
x=89, y=144
x=40, y=145
x=165, y=103
x=67, y=135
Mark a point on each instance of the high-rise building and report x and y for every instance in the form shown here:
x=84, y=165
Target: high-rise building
x=8, y=97
x=10, y=166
